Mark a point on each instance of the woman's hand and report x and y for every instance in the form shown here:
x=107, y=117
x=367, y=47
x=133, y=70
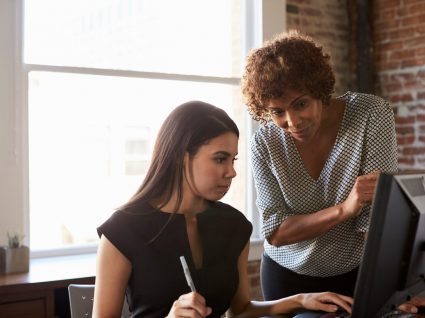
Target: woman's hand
x=361, y=194
x=413, y=304
x=326, y=301
x=190, y=305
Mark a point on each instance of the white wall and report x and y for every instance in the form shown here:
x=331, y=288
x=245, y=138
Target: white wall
x=13, y=196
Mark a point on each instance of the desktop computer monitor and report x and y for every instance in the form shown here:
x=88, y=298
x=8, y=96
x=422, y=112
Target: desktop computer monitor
x=393, y=265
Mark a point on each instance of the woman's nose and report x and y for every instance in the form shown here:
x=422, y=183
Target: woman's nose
x=292, y=120
x=289, y=121
x=231, y=172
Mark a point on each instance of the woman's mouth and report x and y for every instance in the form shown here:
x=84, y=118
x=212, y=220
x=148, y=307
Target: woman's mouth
x=224, y=188
x=299, y=133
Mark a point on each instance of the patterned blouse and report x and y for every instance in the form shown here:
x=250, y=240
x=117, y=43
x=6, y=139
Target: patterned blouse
x=366, y=142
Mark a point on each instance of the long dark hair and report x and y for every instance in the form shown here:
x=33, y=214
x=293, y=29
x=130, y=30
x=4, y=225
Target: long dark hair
x=187, y=127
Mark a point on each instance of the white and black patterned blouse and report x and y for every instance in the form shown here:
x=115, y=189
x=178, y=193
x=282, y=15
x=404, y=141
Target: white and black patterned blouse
x=366, y=142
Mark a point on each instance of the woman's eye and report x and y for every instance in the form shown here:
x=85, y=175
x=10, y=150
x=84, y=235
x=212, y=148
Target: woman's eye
x=301, y=104
x=220, y=160
x=277, y=112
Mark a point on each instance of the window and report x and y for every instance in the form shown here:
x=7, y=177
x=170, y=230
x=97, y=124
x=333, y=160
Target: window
x=102, y=76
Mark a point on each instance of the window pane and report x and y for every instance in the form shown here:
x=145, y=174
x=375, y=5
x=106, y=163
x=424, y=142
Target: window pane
x=185, y=36
x=90, y=140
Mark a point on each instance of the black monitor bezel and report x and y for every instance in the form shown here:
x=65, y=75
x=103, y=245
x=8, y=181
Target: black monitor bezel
x=369, y=292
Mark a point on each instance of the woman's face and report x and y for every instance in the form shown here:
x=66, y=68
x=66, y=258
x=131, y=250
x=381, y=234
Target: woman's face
x=297, y=113
x=210, y=172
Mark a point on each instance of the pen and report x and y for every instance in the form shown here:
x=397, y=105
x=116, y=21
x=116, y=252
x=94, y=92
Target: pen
x=187, y=274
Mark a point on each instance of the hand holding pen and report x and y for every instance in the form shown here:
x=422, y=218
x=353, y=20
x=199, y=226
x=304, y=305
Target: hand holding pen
x=190, y=302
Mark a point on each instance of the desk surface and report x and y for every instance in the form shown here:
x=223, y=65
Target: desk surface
x=53, y=271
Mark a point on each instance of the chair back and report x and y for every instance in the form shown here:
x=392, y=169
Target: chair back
x=81, y=301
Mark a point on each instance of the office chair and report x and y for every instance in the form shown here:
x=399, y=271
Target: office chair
x=81, y=301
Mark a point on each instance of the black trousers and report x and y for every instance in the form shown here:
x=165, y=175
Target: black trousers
x=278, y=282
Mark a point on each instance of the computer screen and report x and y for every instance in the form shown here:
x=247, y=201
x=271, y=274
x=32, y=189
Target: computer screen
x=393, y=265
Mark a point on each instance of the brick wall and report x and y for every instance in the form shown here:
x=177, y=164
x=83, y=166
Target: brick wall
x=254, y=280
x=399, y=55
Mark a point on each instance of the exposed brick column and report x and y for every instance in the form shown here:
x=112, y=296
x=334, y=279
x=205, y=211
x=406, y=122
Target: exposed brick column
x=399, y=53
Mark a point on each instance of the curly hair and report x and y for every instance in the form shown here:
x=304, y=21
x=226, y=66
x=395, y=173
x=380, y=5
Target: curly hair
x=290, y=61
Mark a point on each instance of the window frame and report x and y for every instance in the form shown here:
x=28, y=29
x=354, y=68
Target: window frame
x=261, y=20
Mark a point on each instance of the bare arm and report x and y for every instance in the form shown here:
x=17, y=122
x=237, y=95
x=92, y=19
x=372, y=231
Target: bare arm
x=299, y=228
x=112, y=273
x=242, y=306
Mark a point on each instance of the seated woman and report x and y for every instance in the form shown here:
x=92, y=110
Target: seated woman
x=176, y=213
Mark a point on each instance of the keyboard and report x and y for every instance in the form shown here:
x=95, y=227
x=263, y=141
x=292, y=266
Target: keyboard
x=344, y=314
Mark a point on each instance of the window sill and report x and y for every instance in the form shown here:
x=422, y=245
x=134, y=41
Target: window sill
x=255, y=250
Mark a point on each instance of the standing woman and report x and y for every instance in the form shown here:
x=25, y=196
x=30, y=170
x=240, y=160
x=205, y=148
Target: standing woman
x=176, y=213
x=315, y=160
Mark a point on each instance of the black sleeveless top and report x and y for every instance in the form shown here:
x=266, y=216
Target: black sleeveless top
x=157, y=277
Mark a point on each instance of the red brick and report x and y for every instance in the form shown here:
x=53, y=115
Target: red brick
x=413, y=150
x=381, y=55
x=415, y=40
x=413, y=20
x=324, y=34
x=401, y=33
x=419, y=61
x=254, y=281
x=402, y=77
x=406, y=160
x=421, y=138
x=388, y=14
x=389, y=46
x=420, y=29
x=412, y=85
x=389, y=3
x=402, y=54
x=404, y=120
x=311, y=12
x=421, y=95
x=385, y=66
x=404, y=130
x=409, y=2
x=405, y=140
x=253, y=268
x=416, y=7
x=384, y=77
x=304, y=22
x=420, y=51
x=393, y=87
x=381, y=36
x=297, y=2
x=401, y=98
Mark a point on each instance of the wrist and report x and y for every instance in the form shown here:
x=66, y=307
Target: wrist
x=340, y=214
x=345, y=211
x=299, y=300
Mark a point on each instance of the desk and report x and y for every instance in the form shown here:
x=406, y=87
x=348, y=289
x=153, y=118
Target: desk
x=42, y=292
